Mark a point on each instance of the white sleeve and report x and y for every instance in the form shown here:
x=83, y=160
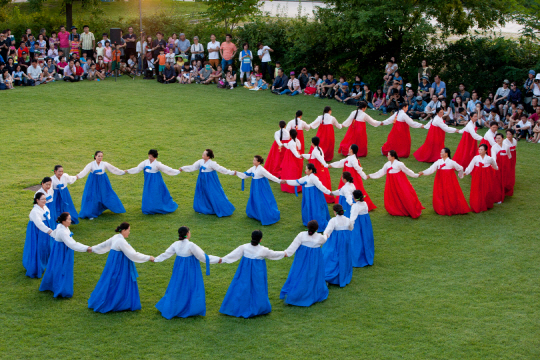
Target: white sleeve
x=490, y=139
x=167, y=254
x=390, y=120
x=359, y=170
x=295, y=152
x=296, y=182
x=276, y=138
x=459, y=168
x=431, y=169
x=371, y=121
x=38, y=221
x=132, y=255
x=113, y=169
x=273, y=255
x=199, y=255
x=222, y=170
x=494, y=164
x=338, y=164
x=294, y=245
x=329, y=228
x=72, y=244
x=243, y=176
x=354, y=215
x=84, y=171
x=304, y=125
x=189, y=168
x=349, y=197
x=306, y=156
x=408, y=171
x=70, y=179
x=167, y=170
x=137, y=169
x=473, y=133
x=411, y=122
x=470, y=168
x=336, y=123
x=319, y=157
x=445, y=127
x=379, y=173
x=349, y=120
x=320, y=185
x=316, y=123
x=234, y=255
x=269, y=176
x=103, y=247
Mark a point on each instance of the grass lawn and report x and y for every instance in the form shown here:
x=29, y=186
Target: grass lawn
x=441, y=287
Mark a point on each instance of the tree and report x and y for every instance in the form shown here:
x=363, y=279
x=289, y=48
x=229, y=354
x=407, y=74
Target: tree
x=231, y=12
x=67, y=8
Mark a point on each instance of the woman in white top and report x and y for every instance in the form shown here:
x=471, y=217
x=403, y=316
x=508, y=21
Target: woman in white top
x=483, y=169
x=400, y=198
x=356, y=134
x=62, y=201
x=292, y=164
x=275, y=156
x=468, y=145
x=337, y=250
x=326, y=123
x=156, y=198
x=448, y=198
x=345, y=193
x=501, y=155
x=46, y=188
x=185, y=296
x=209, y=197
x=261, y=204
x=489, y=136
x=38, y=240
x=316, y=157
x=431, y=149
x=247, y=295
x=510, y=143
x=399, y=138
x=305, y=284
x=362, y=241
x=98, y=193
x=299, y=125
x=59, y=275
x=117, y=288
x=197, y=50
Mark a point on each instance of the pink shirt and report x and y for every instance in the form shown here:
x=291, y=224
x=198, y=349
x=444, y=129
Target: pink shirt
x=228, y=50
x=64, y=39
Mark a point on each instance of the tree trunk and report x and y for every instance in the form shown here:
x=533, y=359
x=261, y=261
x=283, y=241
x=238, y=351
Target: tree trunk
x=69, y=16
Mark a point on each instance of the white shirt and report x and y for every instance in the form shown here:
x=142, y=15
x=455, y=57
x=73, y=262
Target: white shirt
x=358, y=208
x=393, y=168
x=197, y=47
x=498, y=151
x=210, y=166
x=62, y=234
x=34, y=72
x=326, y=120
x=511, y=146
x=294, y=83
x=249, y=251
x=439, y=122
x=213, y=46
x=64, y=181
x=347, y=191
x=360, y=116
x=155, y=167
x=447, y=164
x=338, y=223
x=49, y=195
x=302, y=125
x=119, y=243
x=283, y=134
x=470, y=129
x=490, y=137
x=318, y=155
x=402, y=116
x=93, y=166
x=311, y=241
x=310, y=181
x=433, y=106
x=486, y=161
x=294, y=147
x=524, y=125
x=350, y=161
x=138, y=47
x=265, y=54
x=258, y=173
x=38, y=215
x=185, y=248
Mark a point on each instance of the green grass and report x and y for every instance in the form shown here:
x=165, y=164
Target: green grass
x=441, y=287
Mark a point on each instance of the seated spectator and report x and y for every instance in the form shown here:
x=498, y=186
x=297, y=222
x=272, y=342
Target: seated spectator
x=125, y=69
x=480, y=120
x=397, y=78
x=423, y=88
x=260, y=84
x=389, y=70
x=326, y=86
x=417, y=111
x=530, y=107
x=101, y=68
x=342, y=92
x=293, y=86
x=230, y=79
x=516, y=116
x=19, y=77
x=464, y=94
x=488, y=105
x=184, y=77
x=70, y=73
x=354, y=95
x=534, y=118
x=47, y=77
x=494, y=116
x=448, y=115
x=394, y=86
x=462, y=117
x=514, y=96
x=205, y=73
x=25, y=61
x=304, y=78
x=51, y=69
x=438, y=88
x=410, y=99
x=34, y=73
x=311, y=87
x=367, y=94
x=501, y=96
x=7, y=79
x=471, y=104
x=431, y=108
x=53, y=52
x=215, y=76
x=133, y=64
x=79, y=71
x=407, y=87
x=535, y=138
x=92, y=73
x=194, y=73
x=10, y=65
x=331, y=92
x=511, y=110
x=457, y=103
x=523, y=127
x=280, y=83
x=169, y=75
x=379, y=100
x=393, y=102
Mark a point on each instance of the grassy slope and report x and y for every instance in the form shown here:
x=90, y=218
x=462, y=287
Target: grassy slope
x=459, y=287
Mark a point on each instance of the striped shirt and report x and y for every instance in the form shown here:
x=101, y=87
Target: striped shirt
x=86, y=40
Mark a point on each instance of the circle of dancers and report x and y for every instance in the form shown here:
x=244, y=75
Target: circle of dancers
x=324, y=254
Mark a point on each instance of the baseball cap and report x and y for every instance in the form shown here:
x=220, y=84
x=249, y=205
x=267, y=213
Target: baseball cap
x=73, y=27
x=520, y=107
x=424, y=77
x=532, y=72
x=345, y=84
x=408, y=85
x=291, y=73
x=419, y=98
x=506, y=81
x=357, y=84
x=258, y=75
x=537, y=77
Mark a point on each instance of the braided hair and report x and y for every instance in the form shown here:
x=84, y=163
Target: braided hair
x=298, y=113
x=282, y=125
x=293, y=134
x=316, y=141
x=326, y=110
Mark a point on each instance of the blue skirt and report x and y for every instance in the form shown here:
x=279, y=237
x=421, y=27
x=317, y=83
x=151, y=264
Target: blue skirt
x=99, y=196
x=156, y=198
x=314, y=206
x=210, y=198
x=262, y=205
x=59, y=275
x=37, y=248
x=338, y=267
x=346, y=207
x=305, y=284
x=63, y=203
x=247, y=295
x=184, y=296
x=117, y=288
x=362, y=242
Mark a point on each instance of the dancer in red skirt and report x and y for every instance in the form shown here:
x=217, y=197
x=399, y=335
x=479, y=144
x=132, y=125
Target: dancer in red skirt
x=489, y=137
x=400, y=199
x=431, y=149
x=482, y=168
x=326, y=132
x=468, y=145
x=399, y=138
x=501, y=154
x=356, y=134
x=293, y=162
x=299, y=125
x=275, y=156
x=448, y=198
x=316, y=157
x=352, y=165
x=510, y=143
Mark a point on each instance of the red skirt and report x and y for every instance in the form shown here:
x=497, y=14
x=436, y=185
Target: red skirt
x=466, y=150
x=359, y=185
x=291, y=169
x=399, y=140
x=511, y=175
x=326, y=135
x=501, y=177
x=481, y=197
x=400, y=199
x=484, y=141
x=274, y=159
x=448, y=198
x=324, y=176
x=430, y=151
x=356, y=134
x=300, y=137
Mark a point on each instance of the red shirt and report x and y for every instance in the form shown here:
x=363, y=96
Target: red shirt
x=20, y=51
x=79, y=70
x=63, y=39
x=534, y=117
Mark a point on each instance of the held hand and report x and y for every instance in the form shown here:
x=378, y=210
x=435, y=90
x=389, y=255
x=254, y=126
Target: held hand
x=125, y=171
x=285, y=255
x=235, y=173
x=283, y=182
x=49, y=232
x=89, y=250
x=421, y=173
x=367, y=177
x=220, y=261
x=152, y=258
x=422, y=126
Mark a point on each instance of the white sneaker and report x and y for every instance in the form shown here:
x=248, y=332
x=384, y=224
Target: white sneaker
x=91, y=219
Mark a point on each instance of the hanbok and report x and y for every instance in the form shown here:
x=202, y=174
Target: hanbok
x=210, y=199
x=399, y=138
x=261, y=204
x=326, y=124
x=362, y=240
x=501, y=155
x=430, y=151
x=338, y=268
x=316, y=157
x=300, y=126
x=511, y=176
x=37, y=246
x=482, y=194
x=305, y=284
x=352, y=165
x=276, y=154
x=345, y=195
x=62, y=201
x=49, y=195
x=314, y=206
x=292, y=165
x=356, y=134
x=247, y=295
x=489, y=140
x=156, y=198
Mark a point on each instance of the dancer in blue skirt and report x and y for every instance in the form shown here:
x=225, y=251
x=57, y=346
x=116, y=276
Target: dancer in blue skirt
x=262, y=204
x=337, y=255
x=210, y=199
x=185, y=296
x=117, y=288
x=47, y=189
x=313, y=202
x=247, y=295
x=59, y=275
x=62, y=201
x=37, y=245
x=346, y=192
x=156, y=198
x=362, y=242
x=305, y=284
x=98, y=194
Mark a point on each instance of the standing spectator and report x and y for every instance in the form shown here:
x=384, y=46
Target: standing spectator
x=424, y=71
x=246, y=58
x=227, y=51
x=4, y=46
x=73, y=33
x=501, y=96
x=471, y=105
x=264, y=55
x=514, y=97
x=53, y=40
x=131, y=41
x=197, y=50
x=122, y=44
x=104, y=39
x=438, y=88
x=116, y=58
x=63, y=39
x=417, y=111
x=293, y=86
x=34, y=73
x=464, y=94
x=213, y=51
x=343, y=92
x=280, y=83
x=183, y=45
x=108, y=56
x=304, y=78
x=162, y=60
x=536, y=87
x=431, y=108
x=75, y=44
x=88, y=42
x=158, y=45
x=528, y=86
